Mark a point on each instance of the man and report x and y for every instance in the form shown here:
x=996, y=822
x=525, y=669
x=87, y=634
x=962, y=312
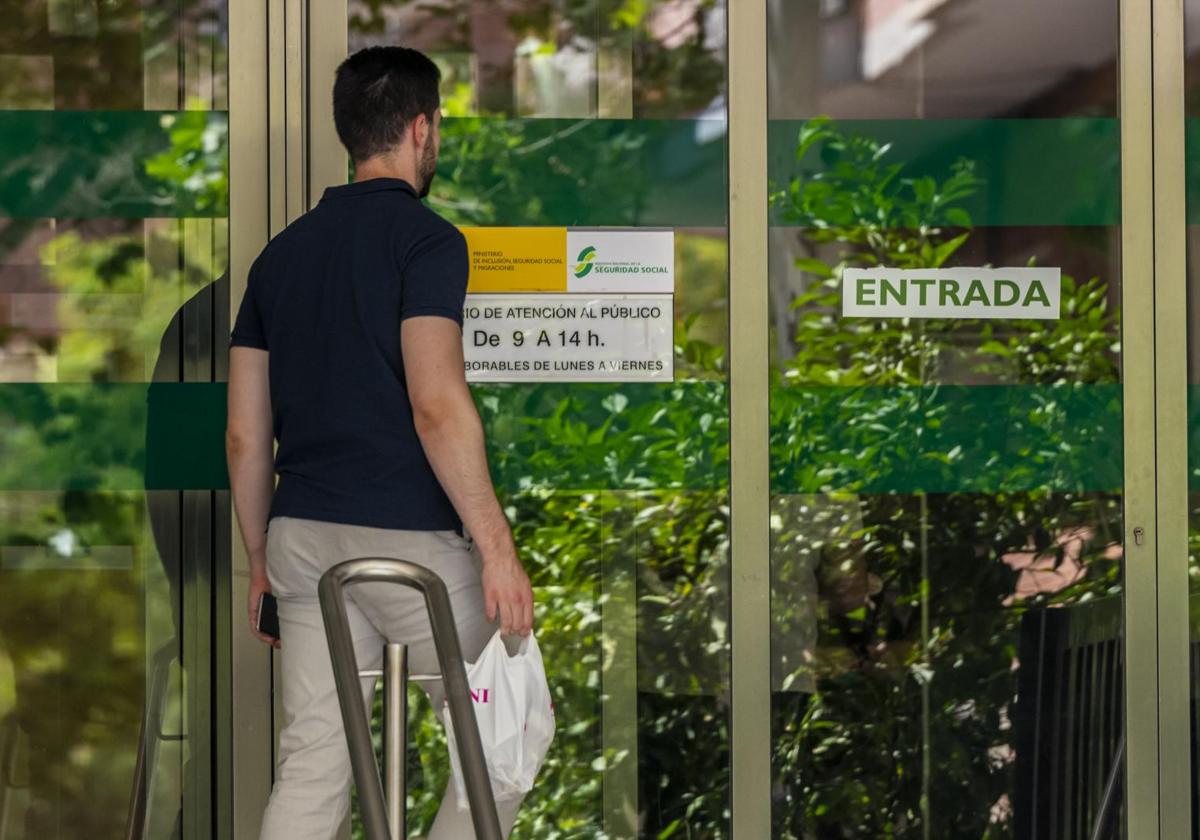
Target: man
x=347, y=350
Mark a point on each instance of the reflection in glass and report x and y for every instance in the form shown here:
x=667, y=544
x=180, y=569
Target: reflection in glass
x=946, y=514
x=603, y=114
x=1192, y=112
x=535, y=58
x=113, y=205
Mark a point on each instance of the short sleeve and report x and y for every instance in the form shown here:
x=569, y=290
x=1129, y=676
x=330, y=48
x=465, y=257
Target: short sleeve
x=248, y=330
x=434, y=276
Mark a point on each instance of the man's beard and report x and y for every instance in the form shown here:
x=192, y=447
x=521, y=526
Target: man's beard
x=426, y=168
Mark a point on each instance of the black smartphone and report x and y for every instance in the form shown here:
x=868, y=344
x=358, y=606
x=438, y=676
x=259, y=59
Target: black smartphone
x=268, y=615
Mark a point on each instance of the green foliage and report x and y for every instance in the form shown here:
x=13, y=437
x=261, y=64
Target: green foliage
x=588, y=552
x=637, y=436
x=197, y=161
x=113, y=164
x=918, y=621
x=81, y=617
x=858, y=198
x=488, y=164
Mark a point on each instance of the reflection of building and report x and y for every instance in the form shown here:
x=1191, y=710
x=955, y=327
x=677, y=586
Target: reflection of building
x=963, y=60
x=539, y=62
x=942, y=59
x=556, y=79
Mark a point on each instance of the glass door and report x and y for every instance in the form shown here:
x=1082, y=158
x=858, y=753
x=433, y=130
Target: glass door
x=598, y=126
x=947, y=561
x=1189, y=265
x=113, y=231
x=954, y=605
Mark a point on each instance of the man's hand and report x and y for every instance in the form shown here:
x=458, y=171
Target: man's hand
x=258, y=585
x=507, y=593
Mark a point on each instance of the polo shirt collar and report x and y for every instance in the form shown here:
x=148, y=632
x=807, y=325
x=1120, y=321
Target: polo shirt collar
x=369, y=186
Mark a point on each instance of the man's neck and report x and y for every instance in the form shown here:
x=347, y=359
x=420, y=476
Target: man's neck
x=386, y=166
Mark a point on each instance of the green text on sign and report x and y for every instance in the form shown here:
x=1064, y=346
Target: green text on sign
x=951, y=293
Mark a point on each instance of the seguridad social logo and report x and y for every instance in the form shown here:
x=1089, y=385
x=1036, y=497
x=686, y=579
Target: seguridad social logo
x=620, y=261
x=583, y=264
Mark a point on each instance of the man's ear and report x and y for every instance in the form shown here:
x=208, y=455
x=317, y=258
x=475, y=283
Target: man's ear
x=420, y=131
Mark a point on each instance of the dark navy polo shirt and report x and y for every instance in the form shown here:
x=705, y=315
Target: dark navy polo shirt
x=326, y=299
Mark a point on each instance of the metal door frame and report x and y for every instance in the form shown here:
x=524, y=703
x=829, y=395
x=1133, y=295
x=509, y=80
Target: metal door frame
x=749, y=421
x=1154, y=376
x=283, y=152
x=1164, y=580
x=1138, y=392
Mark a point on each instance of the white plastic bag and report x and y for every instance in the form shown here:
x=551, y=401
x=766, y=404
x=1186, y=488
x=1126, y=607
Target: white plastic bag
x=515, y=715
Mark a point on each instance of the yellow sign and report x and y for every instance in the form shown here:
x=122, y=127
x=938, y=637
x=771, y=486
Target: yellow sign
x=517, y=259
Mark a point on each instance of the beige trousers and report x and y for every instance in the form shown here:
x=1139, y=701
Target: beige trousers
x=311, y=796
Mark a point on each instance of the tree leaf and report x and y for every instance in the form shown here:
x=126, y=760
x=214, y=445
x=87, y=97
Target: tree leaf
x=814, y=266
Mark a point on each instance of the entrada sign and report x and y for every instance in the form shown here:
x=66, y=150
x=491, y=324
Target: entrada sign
x=952, y=293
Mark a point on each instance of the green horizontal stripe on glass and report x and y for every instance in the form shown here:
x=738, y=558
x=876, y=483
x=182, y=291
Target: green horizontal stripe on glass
x=171, y=436
x=1193, y=453
x=947, y=439
x=1034, y=171
x=131, y=164
x=635, y=436
x=496, y=171
x=1192, y=139
x=113, y=164
x=97, y=436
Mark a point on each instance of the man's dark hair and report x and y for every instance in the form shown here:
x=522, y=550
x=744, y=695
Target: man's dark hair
x=378, y=92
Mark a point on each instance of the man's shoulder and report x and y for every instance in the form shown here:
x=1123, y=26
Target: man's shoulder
x=296, y=232
x=428, y=222
x=426, y=229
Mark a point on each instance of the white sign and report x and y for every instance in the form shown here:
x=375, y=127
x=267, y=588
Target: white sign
x=952, y=293
x=632, y=261
x=575, y=338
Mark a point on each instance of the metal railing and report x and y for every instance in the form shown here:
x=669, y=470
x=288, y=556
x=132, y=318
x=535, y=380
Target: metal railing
x=10, y=742
x=395, y=730
x=1107, y=819
x=1068, y=723
x=149, y=739
x=380, y=821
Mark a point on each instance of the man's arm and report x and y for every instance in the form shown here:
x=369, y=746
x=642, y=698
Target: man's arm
x=452, y=437
x=248, y=449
